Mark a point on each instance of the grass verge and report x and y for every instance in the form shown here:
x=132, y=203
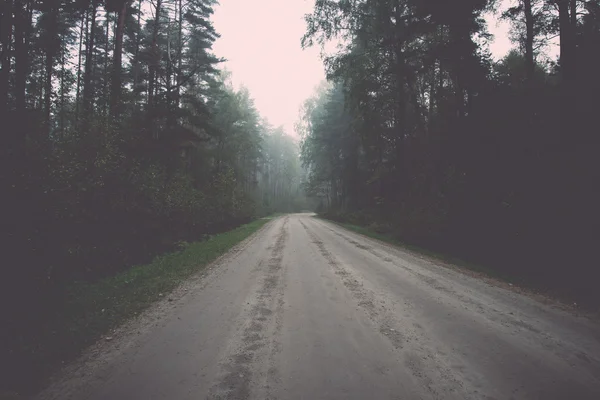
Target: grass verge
x=91, y=310
x=105, y=304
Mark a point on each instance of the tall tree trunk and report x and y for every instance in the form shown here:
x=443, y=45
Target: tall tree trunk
x=567, y=66
x=88, y=90
x=6, y=24
x=115, y=92
x=459, y=38
x=567, y=42
x=49, y=67
x=106, y=77
x=78, y=91
x=169, y=73
x=22, y=23
x=62, y=94
x=179, y=52
x=441, y=64
x=51, y=50
x=529, y=24
x=400, y=72
x=432, y=93
x=136, y=61
x=154, y=58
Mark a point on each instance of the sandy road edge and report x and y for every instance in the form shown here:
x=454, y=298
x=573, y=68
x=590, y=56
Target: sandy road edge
x=538, y=296
x=79, y=376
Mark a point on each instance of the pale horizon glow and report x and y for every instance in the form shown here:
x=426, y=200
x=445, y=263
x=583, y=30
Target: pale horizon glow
x=261, y=41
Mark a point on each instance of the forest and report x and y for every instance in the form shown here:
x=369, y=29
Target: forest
x=420, y=134
x=122, y=137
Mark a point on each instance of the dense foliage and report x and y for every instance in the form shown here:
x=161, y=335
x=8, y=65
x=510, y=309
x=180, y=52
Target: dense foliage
x=121, y=138
x=421, y=134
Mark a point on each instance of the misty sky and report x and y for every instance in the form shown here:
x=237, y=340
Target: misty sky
x=261, y=41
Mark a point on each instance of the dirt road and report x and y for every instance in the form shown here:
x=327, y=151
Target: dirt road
x=307, y=310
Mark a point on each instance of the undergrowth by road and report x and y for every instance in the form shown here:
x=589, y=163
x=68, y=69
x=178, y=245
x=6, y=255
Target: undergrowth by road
x=92, y=310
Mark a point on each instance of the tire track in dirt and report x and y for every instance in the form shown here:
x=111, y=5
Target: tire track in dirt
x=255, y=351
x=507, y=320
x=423, y=360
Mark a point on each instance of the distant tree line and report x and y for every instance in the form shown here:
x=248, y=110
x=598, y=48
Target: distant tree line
x=421, y=134
x=120, y=138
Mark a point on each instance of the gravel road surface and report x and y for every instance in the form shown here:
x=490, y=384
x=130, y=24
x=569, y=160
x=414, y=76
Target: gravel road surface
x=305, y=309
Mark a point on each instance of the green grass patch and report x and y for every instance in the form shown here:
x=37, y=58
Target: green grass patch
x=99, y=306
x=91, y=310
